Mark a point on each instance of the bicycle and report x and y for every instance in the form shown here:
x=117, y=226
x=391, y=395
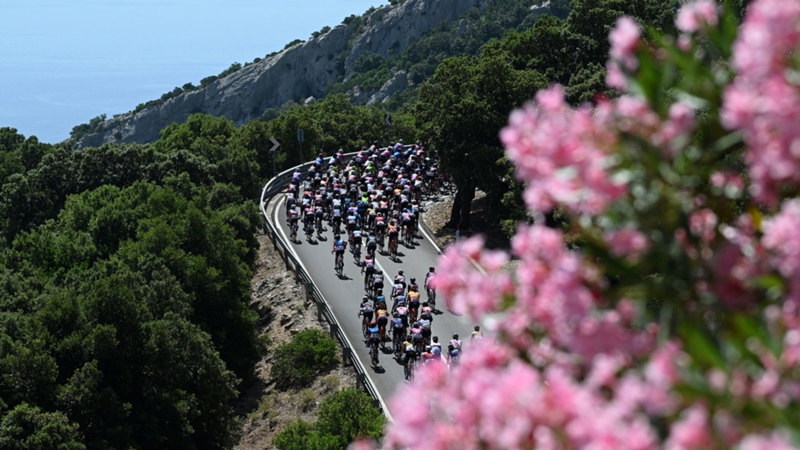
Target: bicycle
x=339, y=264
x=318, y=222
x=409, y=235
x=293, y=232
x=310, y=232
x=397, y=343
x=357, y=253
x=432, y=297
x=408, y=368
x=393, y=249
x=373, y=352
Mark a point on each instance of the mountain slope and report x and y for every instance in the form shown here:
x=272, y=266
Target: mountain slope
x=300, y=71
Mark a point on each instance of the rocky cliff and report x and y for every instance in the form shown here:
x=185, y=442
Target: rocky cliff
x=296, y=73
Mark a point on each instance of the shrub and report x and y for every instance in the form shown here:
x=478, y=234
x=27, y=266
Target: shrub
x=350, y=415
x=301, y=435
x=310, y=353
x=343, y=417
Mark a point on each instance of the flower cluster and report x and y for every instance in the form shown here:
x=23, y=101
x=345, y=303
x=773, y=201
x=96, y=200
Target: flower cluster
x=563, y=153
x=764, y=99
x=680, y=331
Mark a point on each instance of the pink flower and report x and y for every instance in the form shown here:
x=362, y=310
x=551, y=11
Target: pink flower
x=768, y=441
x=562, y=154
x=703, y=223
x=691, y=431
x=624, y=38
x=782, y=238
x=627, y=242
x=466, y=289
x=696, y=15
x=681, y=122
x=733, y=272
x=763, y=101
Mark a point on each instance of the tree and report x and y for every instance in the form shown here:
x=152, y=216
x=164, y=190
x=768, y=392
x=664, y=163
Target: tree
x=458, y=108
x=29, y=428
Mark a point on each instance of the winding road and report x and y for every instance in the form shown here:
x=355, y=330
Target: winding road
x=344, y=295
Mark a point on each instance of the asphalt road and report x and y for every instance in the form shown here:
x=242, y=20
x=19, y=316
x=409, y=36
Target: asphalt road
x=344, y=294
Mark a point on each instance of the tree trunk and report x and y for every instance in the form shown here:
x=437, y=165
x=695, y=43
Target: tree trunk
x=467, y=196
x=455, y=212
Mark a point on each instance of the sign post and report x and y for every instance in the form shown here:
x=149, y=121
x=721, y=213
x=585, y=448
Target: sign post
x=275, y=146
x=300, y=139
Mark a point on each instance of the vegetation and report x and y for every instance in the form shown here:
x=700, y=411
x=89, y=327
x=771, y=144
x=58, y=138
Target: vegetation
x=125, y=277
x=342, y=418
x=469, y=98
x=297, y=363
x=86, y=128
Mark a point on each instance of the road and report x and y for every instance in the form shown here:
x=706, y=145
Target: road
x=344, y=295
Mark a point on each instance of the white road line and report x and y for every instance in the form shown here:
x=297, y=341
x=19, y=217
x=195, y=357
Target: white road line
x=297, y=257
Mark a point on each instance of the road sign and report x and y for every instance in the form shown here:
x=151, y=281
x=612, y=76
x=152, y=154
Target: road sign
x=300, y=136
x=275, y=144
x=388, y=120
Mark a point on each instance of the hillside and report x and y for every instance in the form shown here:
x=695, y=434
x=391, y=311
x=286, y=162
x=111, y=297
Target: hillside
x=375, y=58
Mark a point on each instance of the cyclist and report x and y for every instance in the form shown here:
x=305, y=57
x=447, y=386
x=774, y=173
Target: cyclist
x=392, y=232
x=372, y=245
x=426, y=314
x=365, y=312
x=368, y=269
x=336, y=216
x=382, y=318
x=413, y=306
x=377, y=283
x=416, y=336
x=436, y=347
x=380, y=229
x=294, y=217
x=455, y=342
x=412, y=285
x=413, y=298
x=373, y=340
x=425, y=326
x=400, y=278
x=398, y=331
x=410, y=355
x=453, y=354
x=402, y=313
x=356, y=244
x=476, y=334
x=338, y=247
x=398, y=300
x=429, y=287
x=351, y=222
x=428, y=356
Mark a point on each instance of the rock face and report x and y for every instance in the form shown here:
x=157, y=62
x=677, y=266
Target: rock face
x=295, y=74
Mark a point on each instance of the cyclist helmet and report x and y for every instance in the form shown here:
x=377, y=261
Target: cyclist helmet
x=394, y=314
x=372, y=323
x=413, y=281
x=400, y=272
x=455, y=336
